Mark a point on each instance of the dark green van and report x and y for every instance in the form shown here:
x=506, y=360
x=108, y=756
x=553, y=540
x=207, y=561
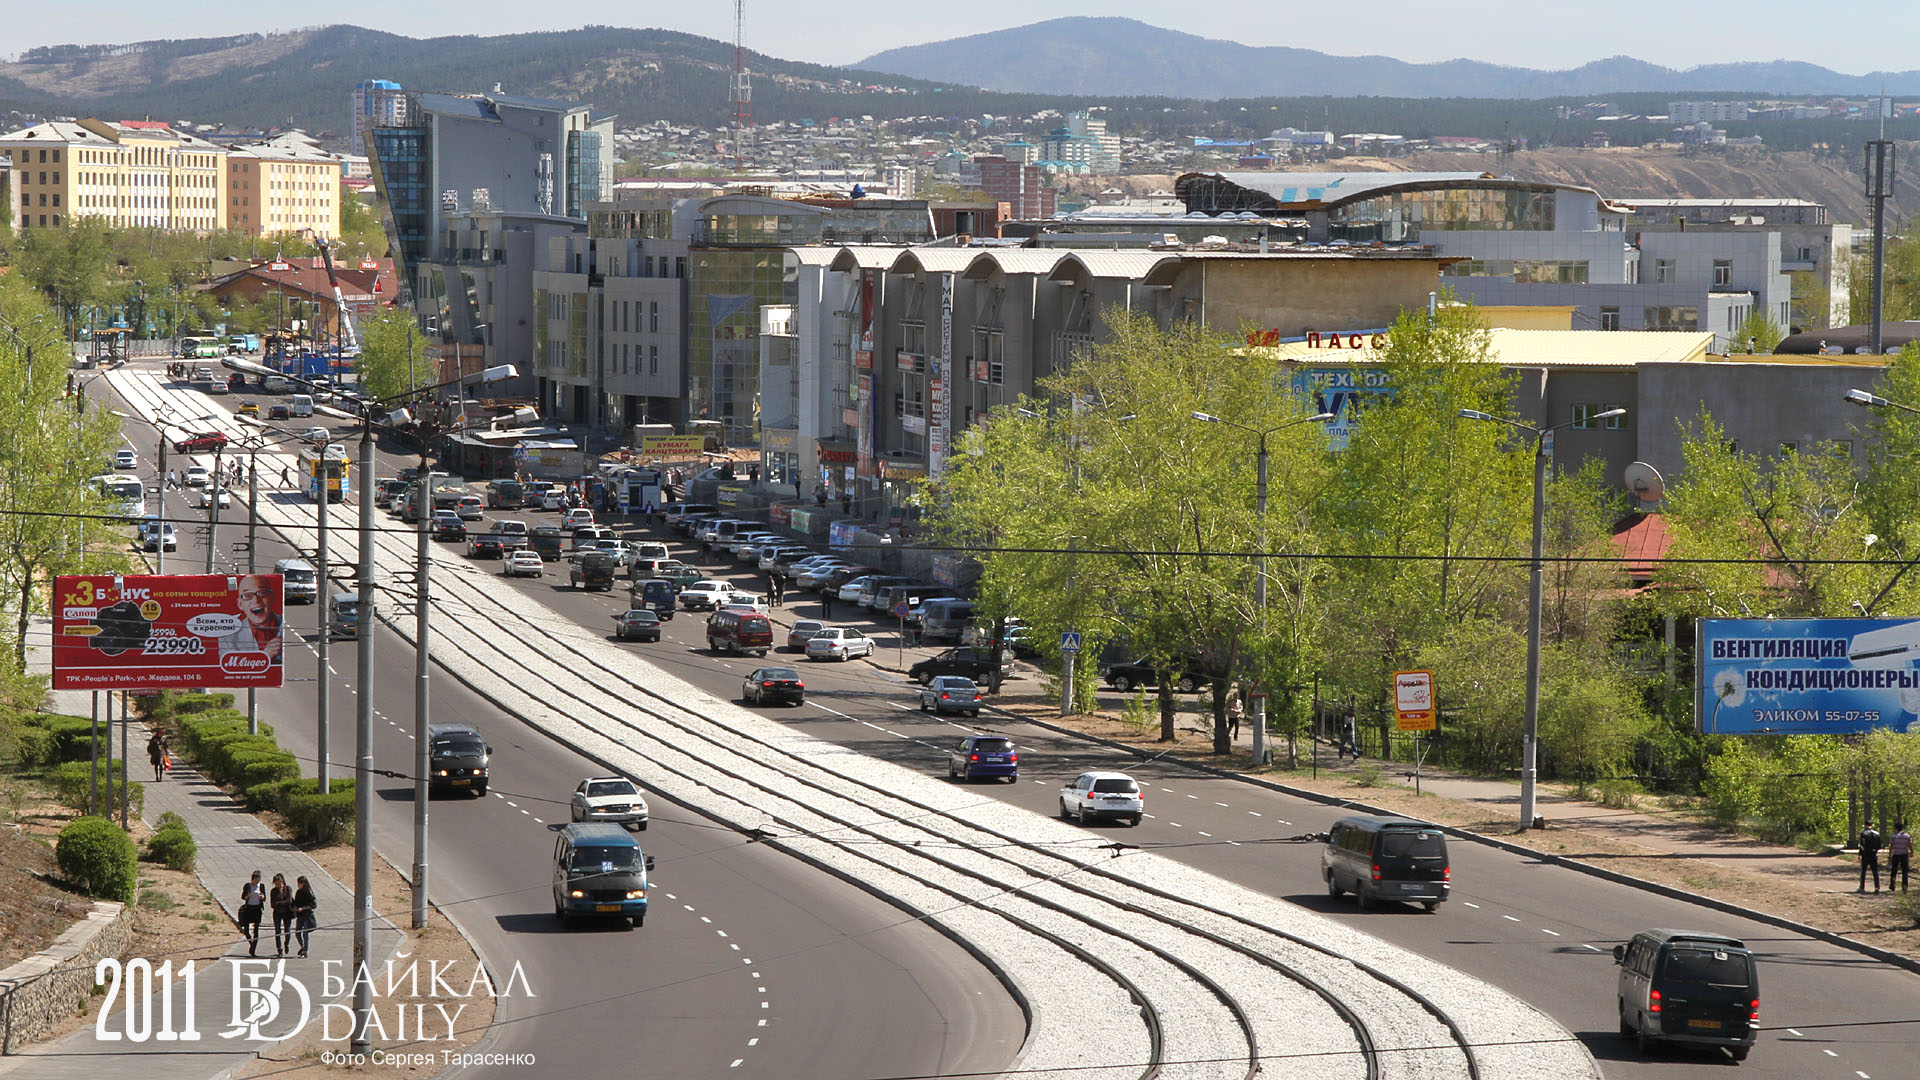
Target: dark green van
x=1387, y=858
x=599, y=870
x=1687, y=986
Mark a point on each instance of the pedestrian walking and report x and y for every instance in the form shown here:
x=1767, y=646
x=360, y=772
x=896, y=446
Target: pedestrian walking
x=172, y=482
x=253, y=900
x=286, y=477
x=1899, y=855
x=1235, y=713
x=280, y=899
x=303, y=907
x=157, y=754
x=1349, y=739
x=1870, y=856
x=826, y=605
x=774, y=589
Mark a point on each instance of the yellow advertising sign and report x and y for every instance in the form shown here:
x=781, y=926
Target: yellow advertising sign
x=1413, y=704
x=672, y=444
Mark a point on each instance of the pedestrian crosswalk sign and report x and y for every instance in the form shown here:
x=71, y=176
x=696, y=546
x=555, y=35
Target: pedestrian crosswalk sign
x=1070, y=641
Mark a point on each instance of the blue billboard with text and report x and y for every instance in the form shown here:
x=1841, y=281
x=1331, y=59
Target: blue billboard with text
x=1806, y=676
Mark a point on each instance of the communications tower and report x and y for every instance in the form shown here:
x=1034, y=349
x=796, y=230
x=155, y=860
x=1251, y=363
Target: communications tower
x=740, y=89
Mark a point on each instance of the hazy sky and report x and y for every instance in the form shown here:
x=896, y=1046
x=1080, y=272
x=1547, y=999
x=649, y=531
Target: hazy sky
x=1853, y=36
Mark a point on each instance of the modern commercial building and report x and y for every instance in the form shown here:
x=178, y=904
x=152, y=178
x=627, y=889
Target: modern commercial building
x=484, y=153
x=1814, y=249
x=884, y=355
x=282, y=186
x=134, y=173
x=1531, y=244
x=740, y=262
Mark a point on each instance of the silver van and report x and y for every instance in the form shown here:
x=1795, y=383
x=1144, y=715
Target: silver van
x=945, y=620
x=301, y=581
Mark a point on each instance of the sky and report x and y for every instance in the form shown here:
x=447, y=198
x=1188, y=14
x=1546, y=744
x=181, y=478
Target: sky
x=1858, y=37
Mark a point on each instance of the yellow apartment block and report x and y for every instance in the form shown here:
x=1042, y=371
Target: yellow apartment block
x=281, y=187
x=133, y=173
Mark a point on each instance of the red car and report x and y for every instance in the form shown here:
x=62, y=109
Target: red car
x=200, y=443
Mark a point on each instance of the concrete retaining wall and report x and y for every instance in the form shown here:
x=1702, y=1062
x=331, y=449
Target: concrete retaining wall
x=43, y=990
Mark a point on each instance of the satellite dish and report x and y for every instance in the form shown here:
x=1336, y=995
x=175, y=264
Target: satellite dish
x=1644, y=481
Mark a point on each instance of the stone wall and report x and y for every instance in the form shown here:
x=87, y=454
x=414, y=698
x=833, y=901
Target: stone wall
x=43, y=990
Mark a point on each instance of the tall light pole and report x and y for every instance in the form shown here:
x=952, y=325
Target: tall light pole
x=422, y=751
x=365, y=628
x=1260, y=753
x=1530, y=739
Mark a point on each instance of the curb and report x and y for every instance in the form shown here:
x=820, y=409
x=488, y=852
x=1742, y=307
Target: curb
x=1655, y=887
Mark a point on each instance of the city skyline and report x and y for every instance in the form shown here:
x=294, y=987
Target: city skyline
x=1744, y=32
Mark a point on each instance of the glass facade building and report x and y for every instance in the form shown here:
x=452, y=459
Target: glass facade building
x=1398, y=217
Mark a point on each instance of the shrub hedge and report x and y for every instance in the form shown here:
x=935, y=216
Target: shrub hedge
x=267, y=776
x=98, y=857
x=42, y=739
x=73, y=780
x=172, y=846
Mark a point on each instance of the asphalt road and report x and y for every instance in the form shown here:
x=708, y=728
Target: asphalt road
x=749, y=955
x=1541, y=932
x=1538, y=931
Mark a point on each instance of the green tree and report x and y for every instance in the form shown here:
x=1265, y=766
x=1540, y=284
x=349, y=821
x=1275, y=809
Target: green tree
x=393, y=354
x=1901, y=297
x=71, y=266
x=1756, y=334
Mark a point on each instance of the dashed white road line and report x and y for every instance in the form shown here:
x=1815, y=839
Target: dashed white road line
x=1509, y=918
x=1555, y=933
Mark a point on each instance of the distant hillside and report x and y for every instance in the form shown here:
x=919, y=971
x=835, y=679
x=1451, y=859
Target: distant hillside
x=304, y=79
x=1116, y=57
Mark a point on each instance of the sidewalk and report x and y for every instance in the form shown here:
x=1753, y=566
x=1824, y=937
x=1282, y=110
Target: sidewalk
x=232, y=844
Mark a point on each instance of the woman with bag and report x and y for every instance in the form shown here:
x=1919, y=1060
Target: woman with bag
x=303, y=905
x=253, y=897
x=280, y=898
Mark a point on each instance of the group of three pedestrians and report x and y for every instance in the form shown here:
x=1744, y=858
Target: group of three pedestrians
x=292, y=909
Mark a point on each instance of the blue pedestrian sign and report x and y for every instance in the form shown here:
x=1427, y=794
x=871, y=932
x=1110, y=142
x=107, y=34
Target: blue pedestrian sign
x=1070, y=641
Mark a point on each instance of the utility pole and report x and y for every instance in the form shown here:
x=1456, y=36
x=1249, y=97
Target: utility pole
x=365, y=625
x=253, y=548
x=1879, y=190
x=325, y=601
x=422, y=746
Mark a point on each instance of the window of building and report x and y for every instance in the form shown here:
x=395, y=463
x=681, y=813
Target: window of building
x=653, y=359
x=1723, y=271
x=1549, y=272
x=1663, y=271
x=653, y=317
x=1609, y=318
x=1842, y=447
x=1583, y=417
x=1677, y=317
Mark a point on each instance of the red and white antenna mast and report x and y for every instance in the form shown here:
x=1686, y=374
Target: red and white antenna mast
x=740, y=90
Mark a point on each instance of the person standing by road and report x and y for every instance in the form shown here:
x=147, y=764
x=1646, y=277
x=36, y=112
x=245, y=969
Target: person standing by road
x=1899, y=856
x=1869, y=856
x=1235, y=713
x=303, y=907
x=286, y=476
x=280, y=898
x=253, y=899
x=1349, y=740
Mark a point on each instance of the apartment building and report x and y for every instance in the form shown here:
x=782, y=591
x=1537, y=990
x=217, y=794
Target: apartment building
x=133, y=173
x=283, y=186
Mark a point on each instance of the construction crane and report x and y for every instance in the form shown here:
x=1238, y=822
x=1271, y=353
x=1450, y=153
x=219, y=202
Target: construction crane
x=333, y=278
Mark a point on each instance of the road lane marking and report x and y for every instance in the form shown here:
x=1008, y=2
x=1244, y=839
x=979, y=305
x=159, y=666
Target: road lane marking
x=1470, y=903
x=1204, y=833
x=1219, y=804
x=753, y=1042
x=736, y=1061
x=1255, y=813
x=1509, y=918
x=1795, y=1034
x=722, y=933
x=1544, y=930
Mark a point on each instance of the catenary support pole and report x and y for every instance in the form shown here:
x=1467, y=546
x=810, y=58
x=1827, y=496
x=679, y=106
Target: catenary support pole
x=323, y=600
x=365, y=624
x=422, y=746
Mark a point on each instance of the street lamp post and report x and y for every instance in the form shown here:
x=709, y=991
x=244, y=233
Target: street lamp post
x=1260, y=753
x=1530, y=739
x=422, y=751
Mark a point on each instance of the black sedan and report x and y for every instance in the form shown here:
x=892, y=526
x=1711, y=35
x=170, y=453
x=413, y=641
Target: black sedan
x=1141, y=672
x=773, y=684
x=448, y=526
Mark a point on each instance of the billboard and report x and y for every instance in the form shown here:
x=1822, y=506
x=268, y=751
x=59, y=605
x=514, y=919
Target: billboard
x=1413, y=708
x=1806, y=676
x=1342, y=391
x=153, y=631
x=690, y=445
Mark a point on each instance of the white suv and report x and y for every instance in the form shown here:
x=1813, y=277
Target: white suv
x=1102, y=794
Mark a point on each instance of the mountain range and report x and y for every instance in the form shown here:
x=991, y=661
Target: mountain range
x=1118, y=57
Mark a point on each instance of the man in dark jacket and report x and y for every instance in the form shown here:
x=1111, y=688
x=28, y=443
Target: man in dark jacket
x=1870, y=856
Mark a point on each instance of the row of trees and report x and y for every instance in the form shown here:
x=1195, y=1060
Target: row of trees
x=51, y=520
x=93, y=273
x=1109, y=508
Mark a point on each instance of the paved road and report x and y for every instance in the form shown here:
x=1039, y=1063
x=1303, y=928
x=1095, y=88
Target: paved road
x=750, y=954
x=1539, y=931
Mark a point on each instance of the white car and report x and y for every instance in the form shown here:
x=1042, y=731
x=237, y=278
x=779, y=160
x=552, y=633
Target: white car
x=151, y=533
x=196, y=476
x=747, y=548
x=746, y=601
x=203, y=496
x=855, y=592
x=125, y=459
x=705, y=595
x=524, y=564
x=1096, y=795
x=316, y=435
x=553, y=499
x=610, y=798
x=576, y=517
x=470, y=508
x=839, y=643
x=770, y=552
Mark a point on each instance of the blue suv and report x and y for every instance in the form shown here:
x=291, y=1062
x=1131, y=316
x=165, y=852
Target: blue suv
x=984, y=755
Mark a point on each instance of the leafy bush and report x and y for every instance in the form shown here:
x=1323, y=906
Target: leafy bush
x=73, y=781
x=278, y=796
x=257, y=774
x=321, y=819
x=1619, y=793
x=33, y=746
x=95, y=855
x=172, y=847
x=189, y=704
x=169, y=820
